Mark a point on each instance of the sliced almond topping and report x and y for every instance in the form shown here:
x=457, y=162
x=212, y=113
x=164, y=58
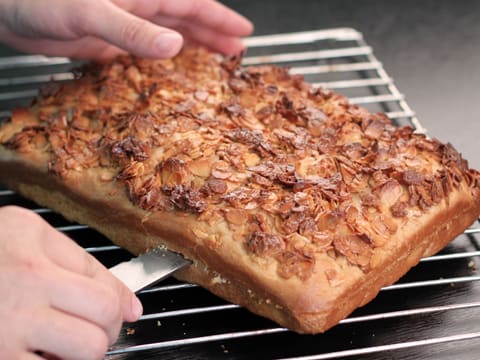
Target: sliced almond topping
x=200, y=167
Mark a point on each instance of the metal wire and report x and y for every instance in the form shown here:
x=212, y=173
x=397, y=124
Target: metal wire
x=365, y=350
x=389, y=347
x=350, y=66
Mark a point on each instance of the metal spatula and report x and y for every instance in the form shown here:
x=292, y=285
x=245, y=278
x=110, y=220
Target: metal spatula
x=149, y=268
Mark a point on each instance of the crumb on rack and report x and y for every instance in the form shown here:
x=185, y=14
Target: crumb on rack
x=472, y=266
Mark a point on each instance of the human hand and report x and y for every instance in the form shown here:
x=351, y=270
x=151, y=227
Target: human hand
x=55, y=298
x=101, y=29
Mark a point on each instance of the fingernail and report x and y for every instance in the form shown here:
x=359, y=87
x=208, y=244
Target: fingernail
x=168, y=44
x=137, y=307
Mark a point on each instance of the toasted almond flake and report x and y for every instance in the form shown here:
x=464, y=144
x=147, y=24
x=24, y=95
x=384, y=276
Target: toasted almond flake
x=251, y=159
x=251, y=205
x=200, y=167
x=236, y=216
x=209, y=151
x=107, y=176
x=201, y=95
x=221, y=170
x=200, y=233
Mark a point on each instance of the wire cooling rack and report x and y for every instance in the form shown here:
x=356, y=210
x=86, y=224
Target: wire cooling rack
x=431, y=313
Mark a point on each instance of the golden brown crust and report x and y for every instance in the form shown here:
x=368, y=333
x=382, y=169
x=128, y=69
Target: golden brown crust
x=289, y=200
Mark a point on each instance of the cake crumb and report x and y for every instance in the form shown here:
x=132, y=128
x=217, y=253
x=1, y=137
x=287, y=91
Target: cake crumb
x=472, y=266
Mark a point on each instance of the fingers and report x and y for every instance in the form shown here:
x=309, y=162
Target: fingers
x=94, y=300
x=83, y=48
x=19, y=354
x=210, y=14
x=29, y=356
x=69, y=256
x=83, y=32
x=41, y=251
x=203, y=35
x=205, y=21
x=132, y=33
x=207, y=13
x=65, y=336
x=55, y=297
x=85, y=298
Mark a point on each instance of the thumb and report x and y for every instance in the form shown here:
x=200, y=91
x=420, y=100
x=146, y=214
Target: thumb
x=133, y=34
x=132, y=307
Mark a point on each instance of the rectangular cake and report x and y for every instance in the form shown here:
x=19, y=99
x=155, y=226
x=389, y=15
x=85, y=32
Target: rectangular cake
x=289, y=200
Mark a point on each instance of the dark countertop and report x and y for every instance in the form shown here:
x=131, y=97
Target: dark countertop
x=430, y=48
